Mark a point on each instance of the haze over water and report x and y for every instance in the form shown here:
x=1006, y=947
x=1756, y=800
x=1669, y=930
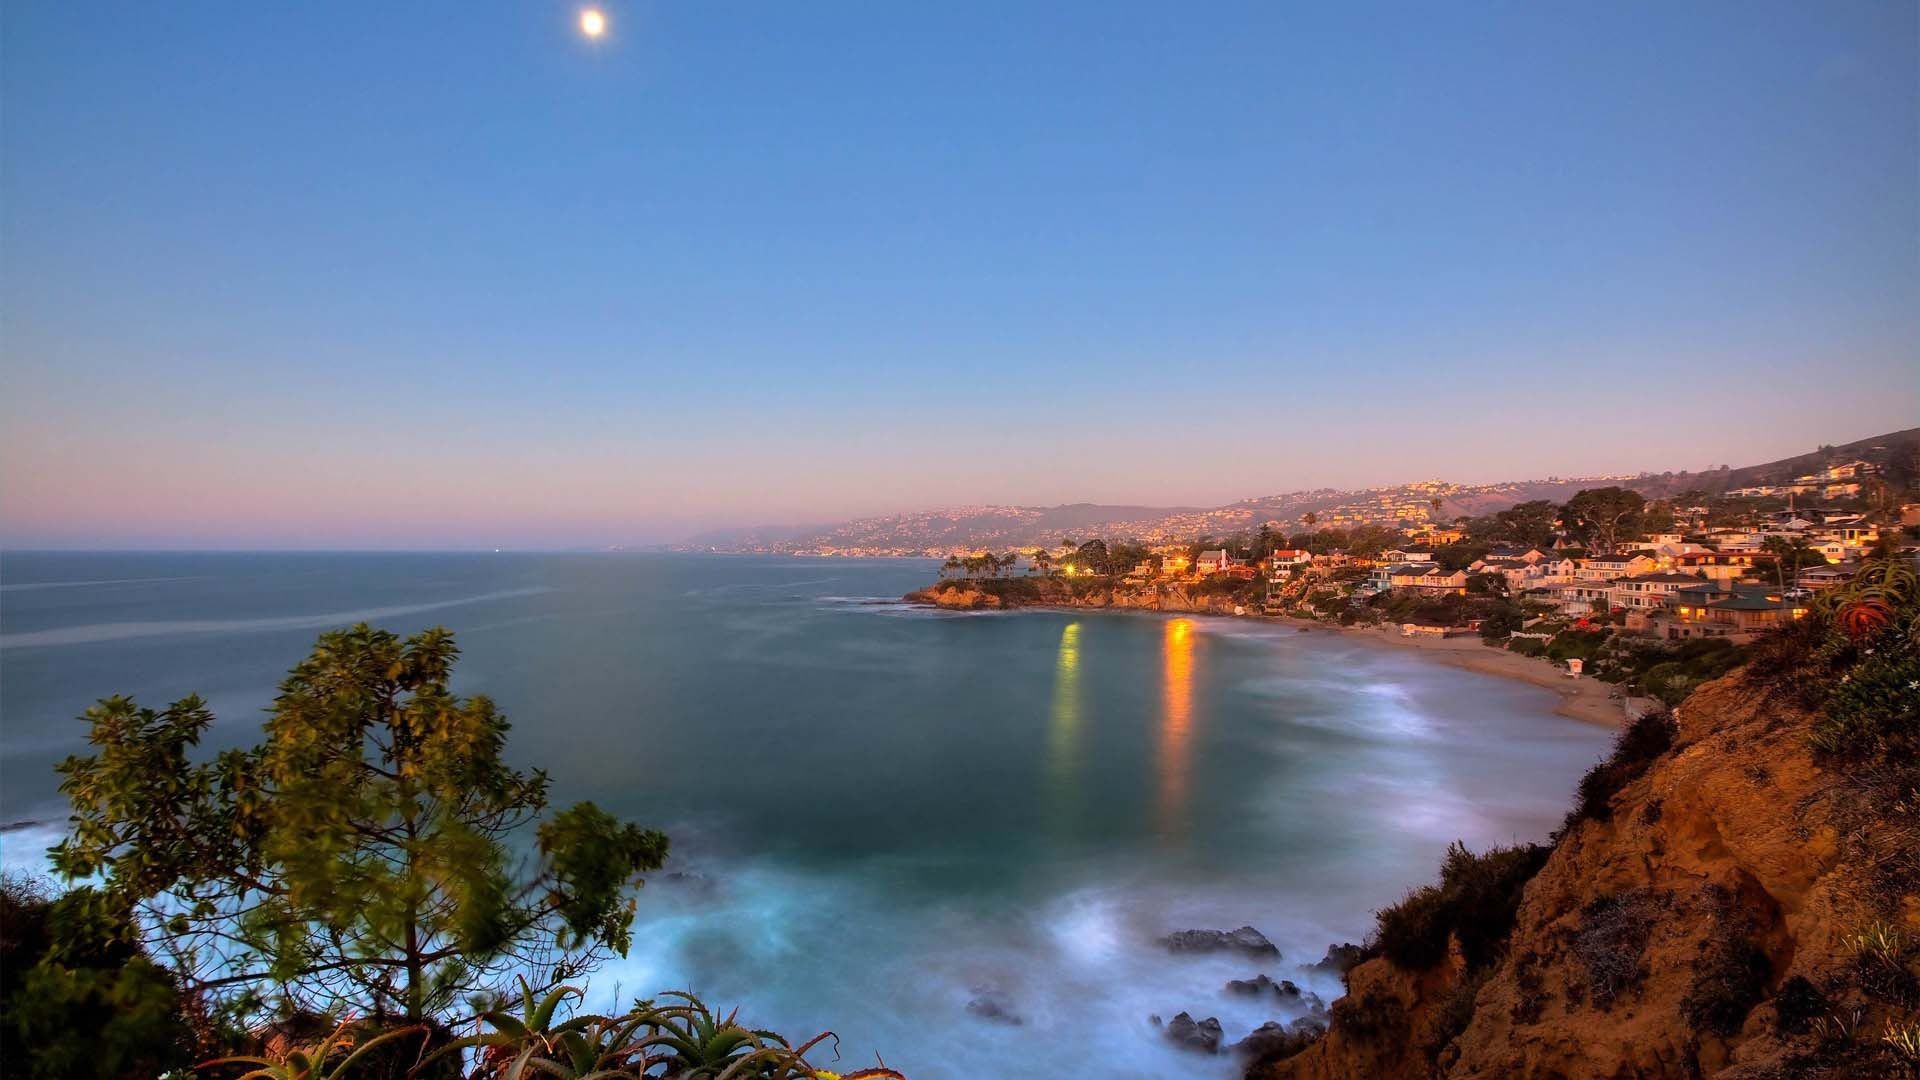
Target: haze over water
x=879, y=812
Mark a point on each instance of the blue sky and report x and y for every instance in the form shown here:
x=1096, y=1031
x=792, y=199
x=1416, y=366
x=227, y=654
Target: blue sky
x=434, y=274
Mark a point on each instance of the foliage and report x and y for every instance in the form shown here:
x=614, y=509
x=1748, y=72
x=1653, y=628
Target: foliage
x=682, y=1039
x=1855, y=658
x=357, y=860
x=1529, y=524
x=1375, y=1016
x=1728, y=981
x=78, y=996
x=1476, y=901
x=1600, y=516
x=1636, y=748
x=1797, y=1004
x=333, y=1058
x=1611, y=944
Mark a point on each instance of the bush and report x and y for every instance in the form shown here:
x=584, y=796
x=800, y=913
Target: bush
x=1727, y=983
x=79, y=998
x=1612, y=942
x=1874, y=711
x=1477, y=899
x=1639, y=745
x=1374, y=1017
x=1798, y=1004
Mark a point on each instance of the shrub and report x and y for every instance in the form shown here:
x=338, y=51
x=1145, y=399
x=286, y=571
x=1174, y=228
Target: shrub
x=1874, y=711
x=1728, y=982
x=1797, y=1005
x=1639, y=745
x=81, y=998
x=1373, y=1017
x=1612, y=942
x=1477, y=899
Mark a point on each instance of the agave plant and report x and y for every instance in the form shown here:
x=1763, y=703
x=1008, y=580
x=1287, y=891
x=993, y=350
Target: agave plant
x=693, y=1043
x=536, y=1042
x=311, y=1062
x=1864, y=617
x=683, y=1040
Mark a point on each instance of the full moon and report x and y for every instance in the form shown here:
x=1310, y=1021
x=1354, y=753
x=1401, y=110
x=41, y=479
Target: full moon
x=593, y=22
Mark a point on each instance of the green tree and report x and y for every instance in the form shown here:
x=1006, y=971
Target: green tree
x=1092, y=557
x=1602, y=515
x=1529, y=523
x=371, y=856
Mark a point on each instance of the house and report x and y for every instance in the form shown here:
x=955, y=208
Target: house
x=1398, y=556
x=1826, y=577
x=1718, y=609
x=1649, y=592
x=1212, y=561
x=1427, y=579
x=1286, y=561
x=1727, y=564
x=1522, y=554
x=1607, y=567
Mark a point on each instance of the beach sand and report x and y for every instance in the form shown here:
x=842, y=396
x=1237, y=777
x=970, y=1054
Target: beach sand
x=1583, y=698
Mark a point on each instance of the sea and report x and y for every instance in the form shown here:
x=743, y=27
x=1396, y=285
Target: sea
x=881, y=814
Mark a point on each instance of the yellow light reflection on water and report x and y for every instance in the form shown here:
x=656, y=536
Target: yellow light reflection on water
x=1063, y=742
x=1176, y=721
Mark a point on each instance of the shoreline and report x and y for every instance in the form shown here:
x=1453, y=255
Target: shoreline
x=1584, y=699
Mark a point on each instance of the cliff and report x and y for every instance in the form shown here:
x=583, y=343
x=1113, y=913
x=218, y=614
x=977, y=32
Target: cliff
x=1730, y=906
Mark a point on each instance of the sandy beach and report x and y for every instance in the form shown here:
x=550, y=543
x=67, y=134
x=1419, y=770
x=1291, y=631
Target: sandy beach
x=1584, y=699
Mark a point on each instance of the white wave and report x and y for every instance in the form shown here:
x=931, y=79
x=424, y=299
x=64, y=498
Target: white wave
x=24, y=586
x=118, y=631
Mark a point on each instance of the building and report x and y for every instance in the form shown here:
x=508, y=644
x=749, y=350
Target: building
x=1212, y=561
x=1425, y=578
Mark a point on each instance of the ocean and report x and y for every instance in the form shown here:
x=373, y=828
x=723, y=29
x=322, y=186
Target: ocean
x=879, y=812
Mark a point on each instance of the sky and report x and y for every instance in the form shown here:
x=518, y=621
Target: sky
x=449, y=274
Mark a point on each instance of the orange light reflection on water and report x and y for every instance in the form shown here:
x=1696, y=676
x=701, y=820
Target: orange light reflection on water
x=1176, y=721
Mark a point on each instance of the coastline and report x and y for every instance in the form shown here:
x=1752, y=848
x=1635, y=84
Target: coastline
x=1587, y=700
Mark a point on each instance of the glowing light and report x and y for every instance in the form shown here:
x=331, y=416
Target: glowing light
x=593, y=22
x=1175, y=721
x=1063, y=746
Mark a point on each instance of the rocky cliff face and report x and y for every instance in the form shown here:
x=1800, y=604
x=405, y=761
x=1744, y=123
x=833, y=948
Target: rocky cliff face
x=1737, y=910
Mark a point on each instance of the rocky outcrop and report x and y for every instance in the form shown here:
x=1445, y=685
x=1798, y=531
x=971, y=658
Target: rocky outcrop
x=1245, y=940
x=1717, y=916
x=994, y=594
x=1201, y=1036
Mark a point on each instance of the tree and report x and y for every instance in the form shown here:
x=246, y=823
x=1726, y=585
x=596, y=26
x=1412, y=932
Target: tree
x=1529, y=523
x=1602, y=515
x=1092, y=557
x=1789, y=555
x=372, y=855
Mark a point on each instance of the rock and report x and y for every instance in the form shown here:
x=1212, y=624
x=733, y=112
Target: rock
x=1261, y=985
x=1244, y=940
x=992, y=1005
x=1276, y=1040
x=1201, y=1036
x=1340, y=959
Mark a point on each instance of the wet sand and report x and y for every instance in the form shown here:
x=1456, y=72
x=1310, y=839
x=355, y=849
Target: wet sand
x=1585, y=699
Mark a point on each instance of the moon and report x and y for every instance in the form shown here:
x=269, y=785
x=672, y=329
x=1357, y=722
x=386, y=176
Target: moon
x=593, y=22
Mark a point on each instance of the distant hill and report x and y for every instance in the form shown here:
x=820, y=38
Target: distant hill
x=972, y=528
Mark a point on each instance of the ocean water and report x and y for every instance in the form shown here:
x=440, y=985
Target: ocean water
x=879, y=812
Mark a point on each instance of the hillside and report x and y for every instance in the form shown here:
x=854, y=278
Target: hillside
x=1736, y=894
x=975, y=528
